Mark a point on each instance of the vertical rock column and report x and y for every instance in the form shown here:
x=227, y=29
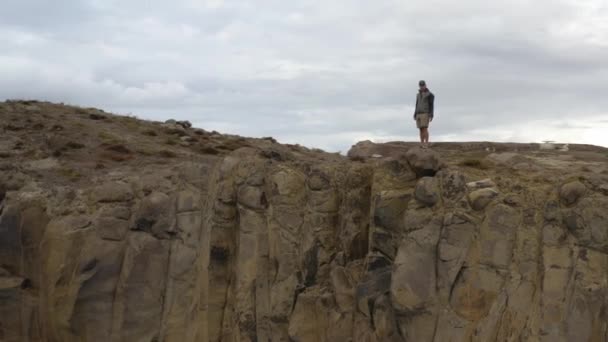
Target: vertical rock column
x=221, y=224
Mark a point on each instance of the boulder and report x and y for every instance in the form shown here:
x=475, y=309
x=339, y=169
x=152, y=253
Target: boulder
x=453, y=185
x=174, y=128
x=479, y=199
x=156, y=215
x=112, y=223
x=414, y=277
x=367, y=149
x=424, y=161
x=484, y=183
x=185, y=124
x=113, y=192
x=571, y=192
x=587, y=222
x=427, y=191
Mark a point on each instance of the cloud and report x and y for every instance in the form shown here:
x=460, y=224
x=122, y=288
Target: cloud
x=322, y=74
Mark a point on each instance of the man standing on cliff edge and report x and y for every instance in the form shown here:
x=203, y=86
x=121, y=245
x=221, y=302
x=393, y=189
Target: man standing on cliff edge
x=425, y=105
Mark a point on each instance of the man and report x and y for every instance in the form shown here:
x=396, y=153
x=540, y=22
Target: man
x=423, y=114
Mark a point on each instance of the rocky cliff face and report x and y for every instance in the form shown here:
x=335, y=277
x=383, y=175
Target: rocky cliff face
x=115, y=229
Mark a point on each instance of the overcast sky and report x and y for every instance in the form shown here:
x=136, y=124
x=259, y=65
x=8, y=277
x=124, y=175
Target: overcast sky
x=321, y=73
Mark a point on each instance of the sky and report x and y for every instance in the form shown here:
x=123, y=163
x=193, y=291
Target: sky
x=323, y=74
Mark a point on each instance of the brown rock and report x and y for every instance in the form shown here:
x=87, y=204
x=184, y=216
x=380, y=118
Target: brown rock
x=479, y=199
x=427, y=191
x=113, y=192
x=424, y=162
x=571, y=192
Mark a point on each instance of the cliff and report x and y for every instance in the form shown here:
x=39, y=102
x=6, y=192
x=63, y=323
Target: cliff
x=117, y=229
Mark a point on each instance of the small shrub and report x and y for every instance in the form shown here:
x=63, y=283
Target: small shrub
x=167, y=154
x=145, y=152
x=97, y=117
x=108, y=137
x=117, y=157
x=171, y=141
x=149, y=132
x=232, y=145
x=74, y=145
x=14, y=128
x=31, y=153
x=209, y=150
x=119, y=148
x=70, y=173
x=357, y=158
x=475, y=163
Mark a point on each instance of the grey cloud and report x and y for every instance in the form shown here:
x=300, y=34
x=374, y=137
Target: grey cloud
x=316, y=73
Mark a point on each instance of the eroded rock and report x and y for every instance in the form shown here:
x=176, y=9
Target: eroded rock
x=283, y=243
x=479, y=199
x=424, y=162
x=571, y=192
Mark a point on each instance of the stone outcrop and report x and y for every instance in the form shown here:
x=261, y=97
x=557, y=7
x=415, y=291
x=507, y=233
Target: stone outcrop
x=269, y=242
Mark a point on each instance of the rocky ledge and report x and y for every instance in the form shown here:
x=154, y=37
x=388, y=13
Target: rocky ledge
x=117, y=229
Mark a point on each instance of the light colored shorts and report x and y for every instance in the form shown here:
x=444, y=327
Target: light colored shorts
x=422, y=120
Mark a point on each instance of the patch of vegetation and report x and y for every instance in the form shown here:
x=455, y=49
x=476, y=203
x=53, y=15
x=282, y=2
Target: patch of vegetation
x=108, y=138
x=209, y=150
x=149, y=132
x=31, y=153
x=167, y=154
x=117, y=157
x=97, y=117
x=131, y=123
x=476, y=163
x=171, y=141
x=232, y=145
x=70, y=173
x=38, y=126
x=14, y=128
x=74, y=145
x=119, y=148
x=145, y=152
x=117, y=152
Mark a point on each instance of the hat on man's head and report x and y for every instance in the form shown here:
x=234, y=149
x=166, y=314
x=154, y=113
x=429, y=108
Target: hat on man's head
x=421, y=83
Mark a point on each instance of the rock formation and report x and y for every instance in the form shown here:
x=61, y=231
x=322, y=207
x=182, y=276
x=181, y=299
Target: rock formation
x=116, y=229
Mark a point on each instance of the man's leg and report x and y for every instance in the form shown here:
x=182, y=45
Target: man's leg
x=426, y=135
x=422, y=135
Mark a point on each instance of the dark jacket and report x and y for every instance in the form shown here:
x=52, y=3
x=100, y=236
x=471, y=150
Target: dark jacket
x=425, y=103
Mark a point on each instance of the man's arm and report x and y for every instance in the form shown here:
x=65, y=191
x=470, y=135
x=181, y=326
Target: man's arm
x=415, y=106
x=432, y=105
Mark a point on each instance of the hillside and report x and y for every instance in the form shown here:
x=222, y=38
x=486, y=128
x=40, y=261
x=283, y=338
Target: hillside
x=118, y=229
